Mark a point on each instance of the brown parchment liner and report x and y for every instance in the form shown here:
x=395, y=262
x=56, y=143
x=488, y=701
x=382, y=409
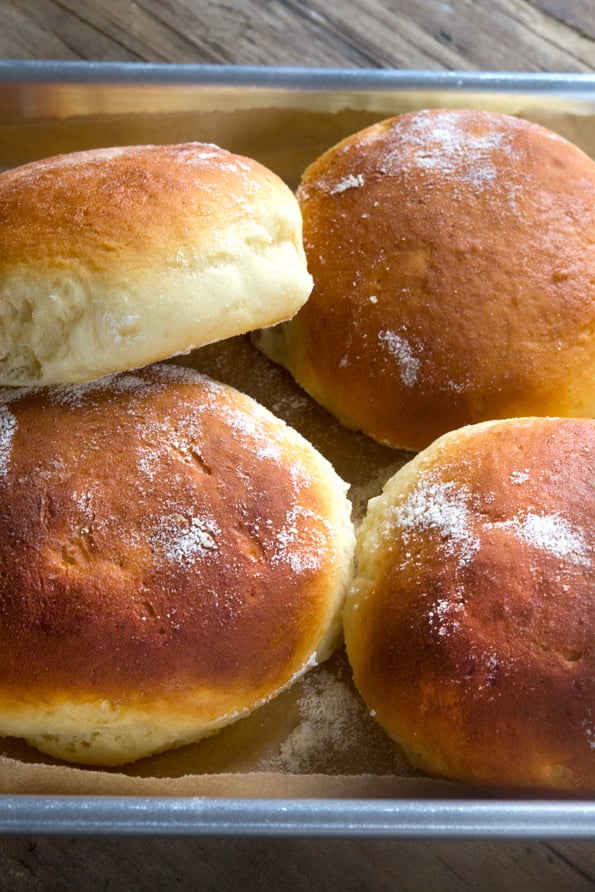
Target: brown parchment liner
x=316, y=739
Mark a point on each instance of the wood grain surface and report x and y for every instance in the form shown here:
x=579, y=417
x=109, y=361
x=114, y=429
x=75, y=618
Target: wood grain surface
x=508, y=35
x=512, y=35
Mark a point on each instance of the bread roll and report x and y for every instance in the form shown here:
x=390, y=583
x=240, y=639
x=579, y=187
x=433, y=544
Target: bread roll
x=470, y=626
x=172, y=556
x=453, y=256
x=114, y=258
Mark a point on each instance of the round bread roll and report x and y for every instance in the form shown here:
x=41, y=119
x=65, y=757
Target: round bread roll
x=453, y=256
x=172, y=556
x=114, y=258
x=470, y=625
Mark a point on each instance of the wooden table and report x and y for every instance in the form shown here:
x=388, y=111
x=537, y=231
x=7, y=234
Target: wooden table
x=510, y=35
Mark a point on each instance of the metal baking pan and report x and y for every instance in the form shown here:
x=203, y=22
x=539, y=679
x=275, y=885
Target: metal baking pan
x=284, y=117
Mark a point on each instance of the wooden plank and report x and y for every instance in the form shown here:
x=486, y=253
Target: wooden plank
x=578, y=15
x=462, y=34
x=321, y=865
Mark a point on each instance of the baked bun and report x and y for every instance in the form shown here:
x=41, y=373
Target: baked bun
x=172, y=555
x=470, y=626
x=114, y=258
x=453, y=256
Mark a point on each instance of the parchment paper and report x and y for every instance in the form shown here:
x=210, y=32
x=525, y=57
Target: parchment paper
x=317, y=739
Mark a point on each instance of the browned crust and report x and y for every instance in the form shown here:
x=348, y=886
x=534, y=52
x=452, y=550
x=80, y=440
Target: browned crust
x=159, y=535
x=453, y=254
x=114, y=258
x=474, y=642
x=93, y=209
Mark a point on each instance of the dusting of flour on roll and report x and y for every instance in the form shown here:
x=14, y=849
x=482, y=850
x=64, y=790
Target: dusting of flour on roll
x=114, y=258
x=172, y=556
x=453, y=257
x=470, y=625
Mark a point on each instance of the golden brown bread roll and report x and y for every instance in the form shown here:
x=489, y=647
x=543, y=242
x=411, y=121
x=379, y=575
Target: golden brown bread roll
x=453, y=256
x=172, y=555
x=115, y=258
x=470, y=625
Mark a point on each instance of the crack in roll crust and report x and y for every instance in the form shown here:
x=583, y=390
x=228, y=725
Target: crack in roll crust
x=470, y=623
x=453, y=256
x=118, y=257
x=171, y=556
